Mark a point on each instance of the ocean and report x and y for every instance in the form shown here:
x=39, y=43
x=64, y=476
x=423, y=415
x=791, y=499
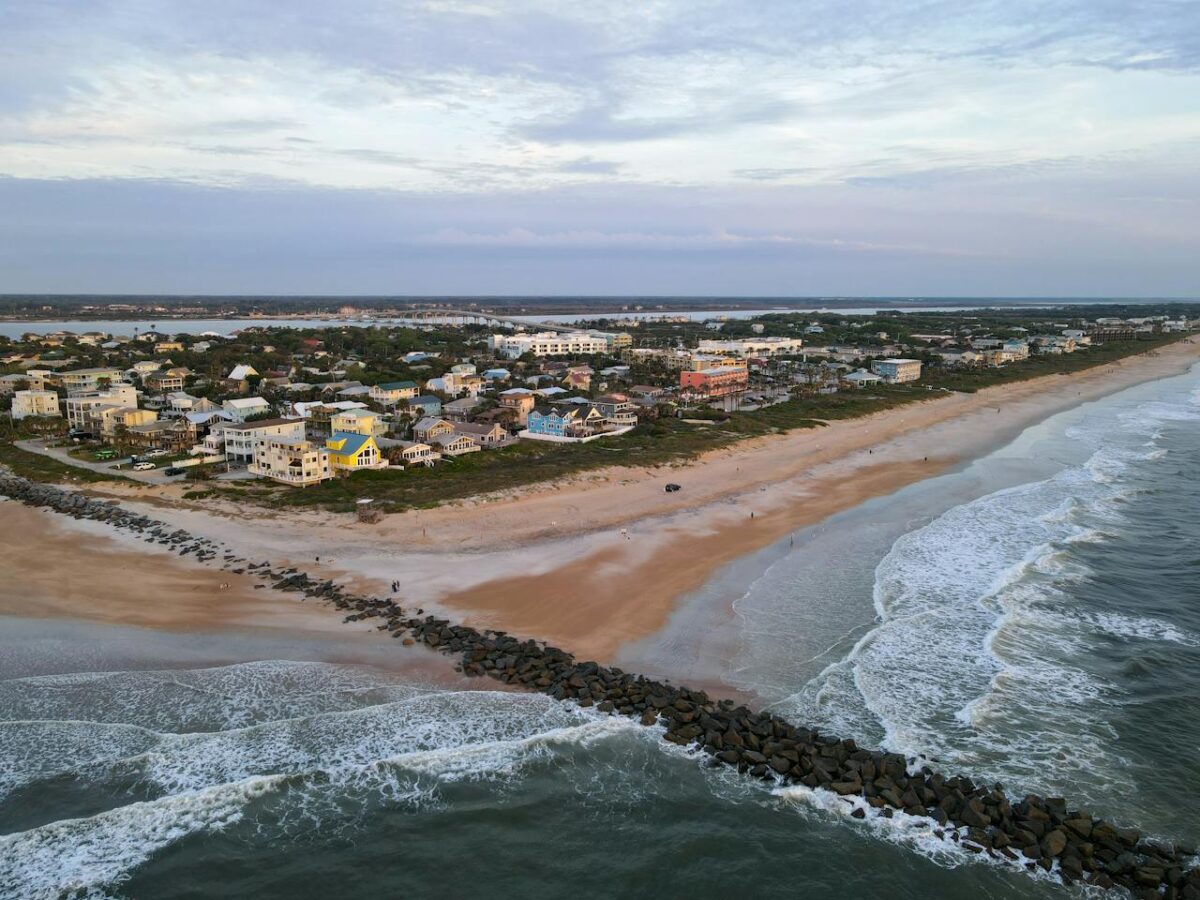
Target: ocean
x=1031, y=617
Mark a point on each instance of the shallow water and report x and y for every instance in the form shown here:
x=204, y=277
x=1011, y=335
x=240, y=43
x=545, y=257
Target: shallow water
x=1033, y=617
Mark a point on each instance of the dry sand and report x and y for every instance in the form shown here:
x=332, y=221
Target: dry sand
x=600, y=559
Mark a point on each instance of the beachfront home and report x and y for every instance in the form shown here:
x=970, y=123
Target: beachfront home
x=358, y=421
x=353, y=452
x=487, y=435
x=28, y=404
x=243, y=408
x=417, y=453
x=862, y=378
x=565, y=421
x=427, y=429
x=455, y=444
x=237, y=440
x=897, y=371
x=391, y=392
x=294, y=462
x=520, y=400
x=617, y=409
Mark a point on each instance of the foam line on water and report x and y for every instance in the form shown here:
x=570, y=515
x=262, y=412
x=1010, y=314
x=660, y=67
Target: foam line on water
x=87, y=856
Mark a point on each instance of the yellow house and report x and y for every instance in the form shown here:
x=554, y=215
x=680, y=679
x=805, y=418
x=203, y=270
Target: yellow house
x=354, y=451
x=358, y=421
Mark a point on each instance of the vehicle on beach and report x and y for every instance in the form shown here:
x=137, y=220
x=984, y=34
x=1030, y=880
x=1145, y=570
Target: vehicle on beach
x=172, y=470
x=671, y=488
x=143, y=466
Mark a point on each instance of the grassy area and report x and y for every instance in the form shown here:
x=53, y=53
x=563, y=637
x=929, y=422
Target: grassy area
x=37, y=467
x=531, y=462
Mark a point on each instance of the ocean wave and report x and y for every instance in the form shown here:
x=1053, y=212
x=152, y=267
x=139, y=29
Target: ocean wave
x=213, y=699
x=979, y=656
x=325, y=769
x=90, y=857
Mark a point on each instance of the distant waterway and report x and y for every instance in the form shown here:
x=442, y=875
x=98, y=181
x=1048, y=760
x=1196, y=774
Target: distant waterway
x=227, y=327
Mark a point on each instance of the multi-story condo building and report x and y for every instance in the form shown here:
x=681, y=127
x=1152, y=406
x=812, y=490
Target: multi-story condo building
x=34, y=403
x=78, y=381
x=238, y=440
x=897, y=371
x=757, y=347
x=714, y=376
x=79, y=406
x=548, y=343
x=295, y=462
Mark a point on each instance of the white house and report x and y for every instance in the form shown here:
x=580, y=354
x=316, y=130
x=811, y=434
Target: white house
x=242, y=408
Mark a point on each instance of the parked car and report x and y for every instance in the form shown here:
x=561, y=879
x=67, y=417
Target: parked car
x=671, y=488
x=172, y=470
x=143, y=466
x=155, y=454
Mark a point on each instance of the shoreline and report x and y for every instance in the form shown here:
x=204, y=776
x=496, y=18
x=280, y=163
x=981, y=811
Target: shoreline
x=758, y=744
x=554, y=564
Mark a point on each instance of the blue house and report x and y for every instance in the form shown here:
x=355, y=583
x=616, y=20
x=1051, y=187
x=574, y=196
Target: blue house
x=546, y=420
x=427, y=406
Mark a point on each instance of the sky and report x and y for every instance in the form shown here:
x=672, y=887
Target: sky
x=701, y=147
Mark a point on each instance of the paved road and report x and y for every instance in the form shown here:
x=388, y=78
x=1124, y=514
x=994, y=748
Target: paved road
x=108, y=467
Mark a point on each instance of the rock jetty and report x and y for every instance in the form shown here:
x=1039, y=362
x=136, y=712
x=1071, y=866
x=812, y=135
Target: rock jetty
x=1033, y=832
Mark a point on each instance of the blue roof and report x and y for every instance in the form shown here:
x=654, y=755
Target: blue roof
x=354, y=442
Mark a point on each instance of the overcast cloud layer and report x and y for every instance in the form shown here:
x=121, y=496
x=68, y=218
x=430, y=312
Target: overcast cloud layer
x=798, y=148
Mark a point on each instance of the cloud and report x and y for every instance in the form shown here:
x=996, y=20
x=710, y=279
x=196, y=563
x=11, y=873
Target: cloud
x=783, y=139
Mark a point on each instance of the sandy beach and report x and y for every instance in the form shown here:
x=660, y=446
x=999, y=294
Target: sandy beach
x=588, y=563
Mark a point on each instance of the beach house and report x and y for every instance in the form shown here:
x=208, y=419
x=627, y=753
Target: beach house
x=427, y=429
x=487, y=435
x=519, y=399
x=353, y=452
x=237, y=440
x=238, y=379
x=392, y=392
x=417, y=453
x=243, y=408
x=358, y=421
x=425, y=405
x=455, y=444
